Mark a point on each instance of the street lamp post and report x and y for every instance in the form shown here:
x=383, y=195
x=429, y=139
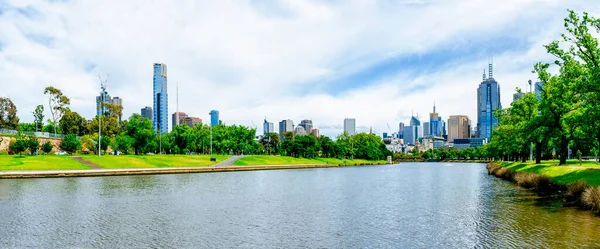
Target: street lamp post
x=531, y=145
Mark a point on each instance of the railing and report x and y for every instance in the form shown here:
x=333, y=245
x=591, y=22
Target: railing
x=37, y=134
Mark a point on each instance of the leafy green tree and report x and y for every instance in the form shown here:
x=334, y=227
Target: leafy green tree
x=306, y=146
x=33, y=144
x=47, y=147
x=19, y=146
x=57, y=102
x=123, y=144
x=8, y=114
x=141, y=131
x=180, y=136
x=26, y=127
x=73, y=123
x=327, y=147
x=270, y=142
x=70, y=144
x=38, y=116
x=104, y=142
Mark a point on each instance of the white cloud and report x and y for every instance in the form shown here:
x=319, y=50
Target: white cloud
x=254, y=59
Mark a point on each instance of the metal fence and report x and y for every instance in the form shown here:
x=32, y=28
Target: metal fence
x=37, y=134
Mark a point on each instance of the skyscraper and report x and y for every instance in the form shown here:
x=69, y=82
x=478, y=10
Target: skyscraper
x=285, y=126
x=307, y=124
x=434, y=124
x=175, y=122
x=118, y=102
x=459, y=126
x=401, y=130
x=214, y=118
x=350, y=126
x=268, y=127
x=488, y=101
x=147, y=112
x=412, y=132
x=161, y=99
x=103, y=98
x=427, y=129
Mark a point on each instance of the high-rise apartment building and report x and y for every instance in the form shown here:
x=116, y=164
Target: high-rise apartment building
x=147, y=112
x=103, y=98
x=214, y=118
x=118, y=102
x=488, y=101
x=286, y=125
x=268, y=127
x=459, y=126
x=350, y=126
x=161, y=98
x=307, y=124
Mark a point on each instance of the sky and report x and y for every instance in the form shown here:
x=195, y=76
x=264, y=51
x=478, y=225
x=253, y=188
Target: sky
x=376, y=61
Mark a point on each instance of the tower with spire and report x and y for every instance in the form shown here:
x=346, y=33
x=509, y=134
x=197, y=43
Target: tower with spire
x=488, y=101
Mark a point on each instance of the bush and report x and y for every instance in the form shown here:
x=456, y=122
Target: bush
x=70, y=144
x=591, y=198
x=47, y=147
x=539, y=182
x=575, y=190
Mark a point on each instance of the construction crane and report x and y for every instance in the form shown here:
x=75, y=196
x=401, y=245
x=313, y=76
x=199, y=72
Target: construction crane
x=253, y=124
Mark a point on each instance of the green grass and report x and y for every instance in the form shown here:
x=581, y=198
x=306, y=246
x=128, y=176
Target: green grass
x=572, y=172
x=286, y=160
x=152, y=161
x=49, y=162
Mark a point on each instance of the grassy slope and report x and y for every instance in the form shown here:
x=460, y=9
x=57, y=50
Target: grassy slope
x=49, y=162
x=152, y=161
x=572, y=172
x=283, y=160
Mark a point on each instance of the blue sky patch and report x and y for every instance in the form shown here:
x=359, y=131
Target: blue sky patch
x=40, y=39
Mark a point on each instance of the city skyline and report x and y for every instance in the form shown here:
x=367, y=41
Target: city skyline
x=324, y=79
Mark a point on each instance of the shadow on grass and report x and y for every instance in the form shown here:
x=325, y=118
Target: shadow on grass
x=591, y=176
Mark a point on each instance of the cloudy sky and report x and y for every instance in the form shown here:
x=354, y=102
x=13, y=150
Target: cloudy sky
x=376, y=61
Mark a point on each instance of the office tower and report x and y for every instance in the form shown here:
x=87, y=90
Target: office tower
x=307, y=125
x=315, y=132
x=442, y=130
x=434, y=124
x=488, y=101
x=401, y=130
x=161, y=98
x=118, y=102
x=459, y=126
x=268, y=127
x=104, y=98
x=192, y=121
x=147, y=112
x=427, y=129
x=214, y=118
x=175, y=122
x=412, y=132
x=350, y=126
x=285, y=126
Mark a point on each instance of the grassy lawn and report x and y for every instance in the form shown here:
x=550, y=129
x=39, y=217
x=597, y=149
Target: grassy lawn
x=152, y=161
x=285, y=160
x=49, y=162
x=572, y=172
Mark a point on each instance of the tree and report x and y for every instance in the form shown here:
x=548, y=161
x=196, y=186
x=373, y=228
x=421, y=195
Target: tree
x=73, y=123
x=104, y=142
x=110, y=125
x=38, y=116
x=57, y=102
x=47, y=147
x=8, y=114
x=270, y=142
x=327, y=146
x=123, y=143
x=33, y=144
x=70, y=144
x=19, y=145
x=141, y=131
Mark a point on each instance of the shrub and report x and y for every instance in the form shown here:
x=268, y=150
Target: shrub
x=505, y=173
x=540, y=182
x=47, y=147
x=575, y=190
x=591, y=198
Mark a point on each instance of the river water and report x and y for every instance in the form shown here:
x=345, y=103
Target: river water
x=411, y=205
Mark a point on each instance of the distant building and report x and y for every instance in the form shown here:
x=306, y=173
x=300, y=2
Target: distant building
x=147, y=112
x=385, y=135
x=175, y=122
x=192, y=121
x=103, y=98
x=350, y=126
x=307, y=125
x=161, y=98
x=434, y=126
x=299, y=130
x=401, y=130
x=426, y=129
x=268, y=127
x=214, y=118
x=286, y=125
x=118, y=102
x=518, y=96
x=463, y=143
x=315, y=132
x=538, y=89
x=412, y=132
x=459, y=126
x=488, y=101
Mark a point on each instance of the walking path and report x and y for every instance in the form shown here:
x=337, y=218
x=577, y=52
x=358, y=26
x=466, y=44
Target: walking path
x=88, y=163
x=228, y=161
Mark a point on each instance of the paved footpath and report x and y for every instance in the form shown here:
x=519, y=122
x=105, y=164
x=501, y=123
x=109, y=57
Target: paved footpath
x=228, y=162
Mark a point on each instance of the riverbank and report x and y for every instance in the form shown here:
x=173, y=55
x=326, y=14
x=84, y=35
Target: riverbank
x=153, y=171
x=578, y=184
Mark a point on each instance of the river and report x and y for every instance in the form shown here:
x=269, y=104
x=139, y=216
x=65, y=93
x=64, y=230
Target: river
x=410, y=205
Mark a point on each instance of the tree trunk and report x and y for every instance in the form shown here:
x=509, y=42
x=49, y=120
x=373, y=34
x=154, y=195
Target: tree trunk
x=538, y=153
x=564, y=153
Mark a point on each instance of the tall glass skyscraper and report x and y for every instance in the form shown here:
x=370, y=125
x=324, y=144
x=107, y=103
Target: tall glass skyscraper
x=214, y=118
x=488, y=101
x=161, y=99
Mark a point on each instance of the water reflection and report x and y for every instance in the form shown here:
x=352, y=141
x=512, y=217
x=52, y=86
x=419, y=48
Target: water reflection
x=407, y=206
